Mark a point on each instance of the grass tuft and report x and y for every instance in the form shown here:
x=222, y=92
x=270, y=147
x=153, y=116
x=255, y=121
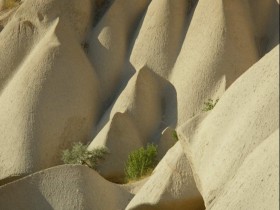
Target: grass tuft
x=209, y=105
x=175, y=135
x=141, y=162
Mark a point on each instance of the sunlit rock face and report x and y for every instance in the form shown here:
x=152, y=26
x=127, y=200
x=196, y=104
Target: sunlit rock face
x=122, y=74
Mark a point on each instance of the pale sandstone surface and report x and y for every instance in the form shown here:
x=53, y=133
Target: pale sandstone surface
x=48, y=89
x=143, y=92
x=171, y=185
x=134, y=120
x=164, y=28
x=217, y=49
x=124, y=73
x=109, y=42
x=256, y=185
x=120, y=136
x=130, y=125
x=220, y=146
x=64, y=187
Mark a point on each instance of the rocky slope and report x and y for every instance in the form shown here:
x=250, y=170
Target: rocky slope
x=124, y=73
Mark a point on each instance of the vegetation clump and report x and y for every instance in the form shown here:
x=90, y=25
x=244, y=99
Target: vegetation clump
x=209, y=105
x=80, y=155
x=141, y=162
x=175, y=135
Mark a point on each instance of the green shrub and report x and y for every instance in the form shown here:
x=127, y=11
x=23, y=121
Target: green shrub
x=141, y=162
x=175, y=135
x=80, y=155
x=209, y=105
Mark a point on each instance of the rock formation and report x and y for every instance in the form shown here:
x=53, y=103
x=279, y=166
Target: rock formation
x=122, y=74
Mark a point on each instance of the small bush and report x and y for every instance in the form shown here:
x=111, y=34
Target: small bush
x=209, y=105
x=175, y=135
x=80, y=155
x=141, y=162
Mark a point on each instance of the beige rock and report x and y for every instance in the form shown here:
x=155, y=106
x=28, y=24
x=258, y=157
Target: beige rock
x=160, y=36
x=76, y=14
x=149, y=99
x=171, y=186
x=151, y=66
x=134, y=186
x=217, y=49
x=140, y=114
x=26, y=29
x=131, y=122
x=166, y=141
x=220, y=146
x=142, y=99
x=256, y=185
x=64, y=187
x=48, y=89
x=120, y=136
x=109, y=42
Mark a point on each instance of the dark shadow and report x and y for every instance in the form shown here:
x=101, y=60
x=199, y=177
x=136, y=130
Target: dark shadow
x=107, y=107
x=263, y=41
x=168, y=105
x=10, y=179
x=101, y=7
x=190, y=13
x=170, y=114
x=188, y=19
x=169, y=100
x=267, y=44
x=169, y=110
x=127, y=72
